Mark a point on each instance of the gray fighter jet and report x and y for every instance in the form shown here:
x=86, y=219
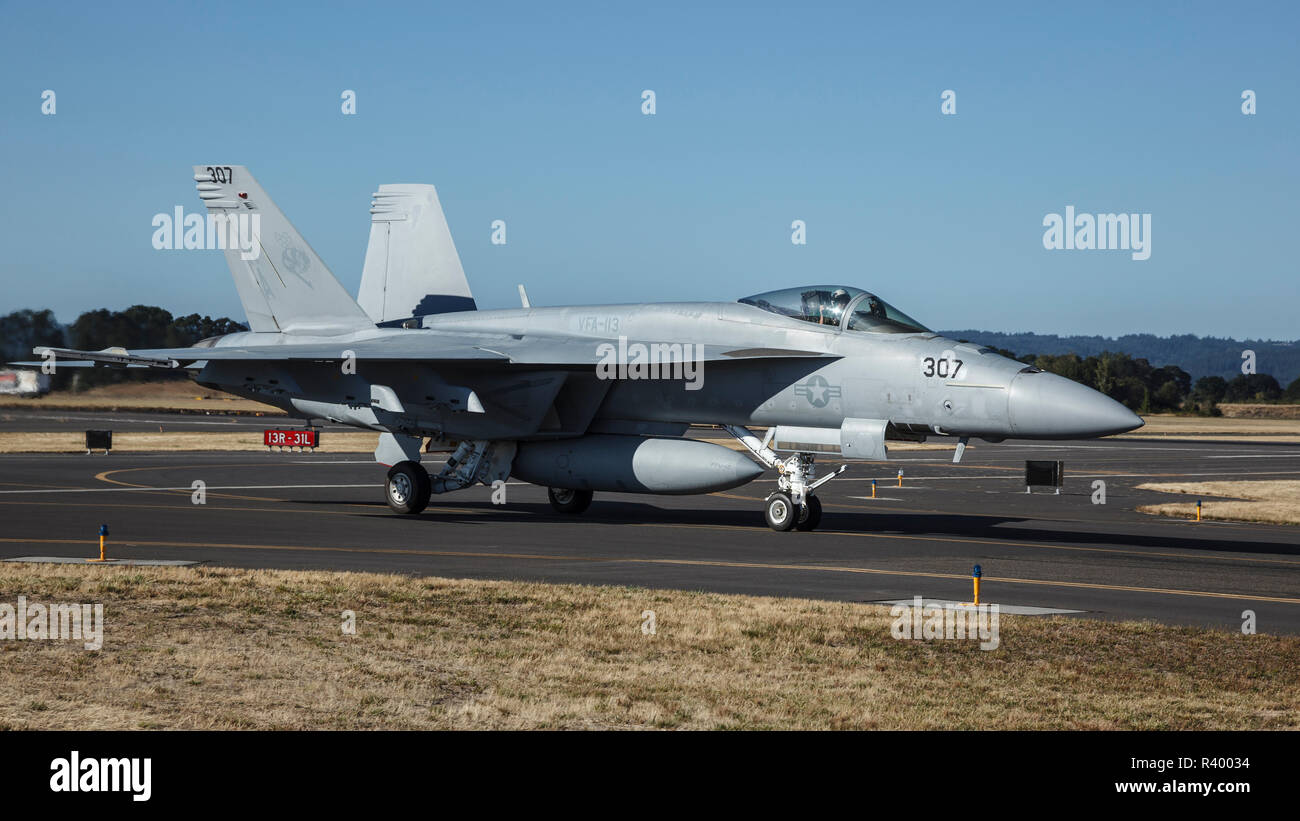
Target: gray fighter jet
x=596, y=397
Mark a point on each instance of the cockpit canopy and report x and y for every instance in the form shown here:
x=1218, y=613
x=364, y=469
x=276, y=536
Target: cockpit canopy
x=840, y=306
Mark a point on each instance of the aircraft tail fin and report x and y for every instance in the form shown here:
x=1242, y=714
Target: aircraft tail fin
x=283, y=284
x=411, y=268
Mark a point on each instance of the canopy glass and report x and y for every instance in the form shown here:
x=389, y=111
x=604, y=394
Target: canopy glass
x=841, y=306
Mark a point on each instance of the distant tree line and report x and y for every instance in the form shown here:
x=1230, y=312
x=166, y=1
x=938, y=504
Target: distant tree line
x=1167, y=389
x=1209, y=391
x=140, y=326
x=1198, y=355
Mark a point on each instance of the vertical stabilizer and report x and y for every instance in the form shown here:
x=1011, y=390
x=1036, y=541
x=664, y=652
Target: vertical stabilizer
x=412, y=268
x=282, y=283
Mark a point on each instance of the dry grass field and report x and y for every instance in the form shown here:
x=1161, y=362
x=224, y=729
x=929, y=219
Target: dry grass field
x=248, y=649
x=143, y=396
x=1246, y=410
x=1274, y=501
x=1234, y=429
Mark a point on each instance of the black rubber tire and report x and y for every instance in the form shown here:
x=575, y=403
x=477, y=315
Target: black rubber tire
x=810, y=515
x=570, y=502
x=408, y=488
x=780, y=512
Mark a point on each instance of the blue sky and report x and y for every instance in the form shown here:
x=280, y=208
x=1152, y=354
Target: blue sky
x=531, y=113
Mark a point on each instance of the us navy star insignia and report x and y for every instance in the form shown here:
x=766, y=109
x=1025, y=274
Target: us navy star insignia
x=818, y=391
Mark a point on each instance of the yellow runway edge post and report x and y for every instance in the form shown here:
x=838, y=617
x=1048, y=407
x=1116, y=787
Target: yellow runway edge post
x=103, y=534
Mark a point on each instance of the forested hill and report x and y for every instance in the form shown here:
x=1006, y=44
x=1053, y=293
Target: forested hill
x=1199, y=356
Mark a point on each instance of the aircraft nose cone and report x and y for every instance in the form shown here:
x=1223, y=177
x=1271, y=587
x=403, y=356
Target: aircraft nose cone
x=1047, y=406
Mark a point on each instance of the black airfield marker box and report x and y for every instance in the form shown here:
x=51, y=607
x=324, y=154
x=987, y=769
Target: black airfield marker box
x=99, y=440
x=1044, y=473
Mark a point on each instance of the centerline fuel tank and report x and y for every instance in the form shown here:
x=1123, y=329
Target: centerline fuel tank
x=633, y=464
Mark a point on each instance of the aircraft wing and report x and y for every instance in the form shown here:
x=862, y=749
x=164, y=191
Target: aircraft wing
x=118, y=357
x=432, y=347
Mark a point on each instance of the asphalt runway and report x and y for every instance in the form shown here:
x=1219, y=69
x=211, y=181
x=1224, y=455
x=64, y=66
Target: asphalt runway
x=304, y=511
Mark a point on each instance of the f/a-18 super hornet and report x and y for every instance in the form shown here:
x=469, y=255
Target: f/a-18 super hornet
x=593, y=397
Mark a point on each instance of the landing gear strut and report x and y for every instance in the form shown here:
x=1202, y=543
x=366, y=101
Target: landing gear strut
x=794, y=505
x=408, y=487
x=571, y=502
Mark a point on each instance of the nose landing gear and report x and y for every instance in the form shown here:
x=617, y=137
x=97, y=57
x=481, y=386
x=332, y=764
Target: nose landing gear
x=793, y=506
x=782, y=514
x=810, y=515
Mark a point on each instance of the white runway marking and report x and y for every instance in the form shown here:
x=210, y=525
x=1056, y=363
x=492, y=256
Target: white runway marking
x=1260, y=456
x=64, y=418
x=186, y=488
x=189, y=488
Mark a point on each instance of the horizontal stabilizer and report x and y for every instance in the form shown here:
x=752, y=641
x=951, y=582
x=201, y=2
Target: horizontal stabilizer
x=109, y=356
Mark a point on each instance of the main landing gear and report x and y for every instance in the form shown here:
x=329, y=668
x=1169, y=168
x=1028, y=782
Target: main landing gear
x=570, y=502
x=794, y=505
x=408, y=487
